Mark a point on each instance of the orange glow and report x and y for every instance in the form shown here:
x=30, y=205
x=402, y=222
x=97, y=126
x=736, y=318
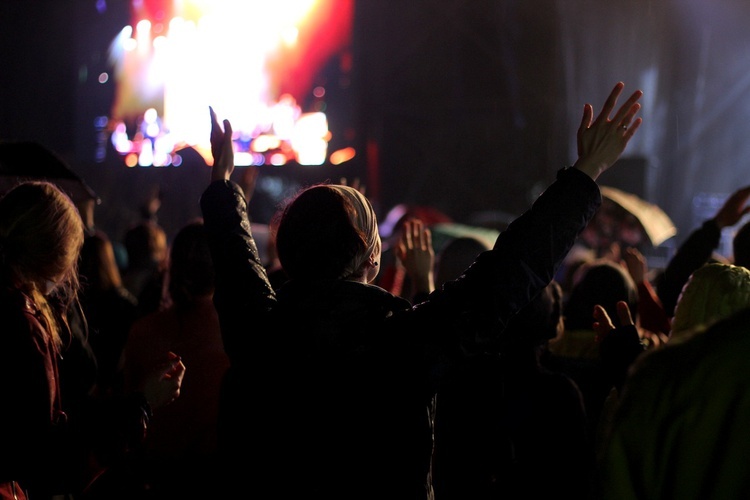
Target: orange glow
x=131, y=160
x=342, y=155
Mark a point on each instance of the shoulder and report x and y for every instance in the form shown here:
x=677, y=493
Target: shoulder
x=16, y=302
x=20, y=316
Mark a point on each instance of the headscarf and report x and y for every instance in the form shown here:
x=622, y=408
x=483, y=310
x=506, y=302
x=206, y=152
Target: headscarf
x=365, y=220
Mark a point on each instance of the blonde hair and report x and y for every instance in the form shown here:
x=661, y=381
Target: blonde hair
x=41, y=234
x=713, y=292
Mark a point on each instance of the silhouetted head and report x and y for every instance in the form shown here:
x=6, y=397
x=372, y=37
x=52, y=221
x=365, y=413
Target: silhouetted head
x=145, y=244
x=456, y=256
x=329, y=232
x=539, y=321
x=98, y=266
x=600, y=282
x=191, y=269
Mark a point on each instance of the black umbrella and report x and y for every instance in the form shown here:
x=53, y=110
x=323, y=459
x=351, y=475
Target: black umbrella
x=27, y=160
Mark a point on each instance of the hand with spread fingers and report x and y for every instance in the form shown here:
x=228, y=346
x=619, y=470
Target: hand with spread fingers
x=734, y=208
x=602, y=141
x=603, y=324
x=414, y=251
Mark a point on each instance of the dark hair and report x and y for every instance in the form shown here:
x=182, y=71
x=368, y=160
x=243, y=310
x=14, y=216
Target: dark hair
x=191, y=269
x=316, y=238
x=144, y=243
x=98, y=266
x=538, y=321
x=456, y=256
x=601, y=282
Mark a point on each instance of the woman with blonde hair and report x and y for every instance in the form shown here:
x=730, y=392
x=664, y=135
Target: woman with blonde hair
x=44, y=454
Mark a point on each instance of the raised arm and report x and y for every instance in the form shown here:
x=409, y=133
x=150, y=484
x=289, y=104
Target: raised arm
x=697, y=249
x=528, y=253
x=243, y=293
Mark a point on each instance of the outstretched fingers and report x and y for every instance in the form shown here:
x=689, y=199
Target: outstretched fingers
x=630, y=131
x=623, y=313
x=221, y=148
x=588, y=114
x=217, y=135
x=602, y=141
x=625, y=115
x=226, y=147
x=610, y=103
x=602, y=323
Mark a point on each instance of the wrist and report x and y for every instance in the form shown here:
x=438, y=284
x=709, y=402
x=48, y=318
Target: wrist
x=424, y=284
x=592, y=169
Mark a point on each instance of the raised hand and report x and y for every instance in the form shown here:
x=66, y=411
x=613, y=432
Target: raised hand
x=602, y=141
x=414, y=251
x=221, y=149
x=734, y=208
x=636, y=264
x=603, y=324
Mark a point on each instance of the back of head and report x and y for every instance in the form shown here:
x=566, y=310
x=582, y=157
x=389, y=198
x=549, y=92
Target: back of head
x=457, y=255
x=327, y=232
x=145, y=244
x=741, y=246
x=191, y=269
x=98, y=266
x=601, y=282
x=713, y=292
x=41, y=234
x=539, y=321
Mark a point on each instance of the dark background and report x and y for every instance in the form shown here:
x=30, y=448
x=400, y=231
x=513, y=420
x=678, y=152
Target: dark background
x=467, y=105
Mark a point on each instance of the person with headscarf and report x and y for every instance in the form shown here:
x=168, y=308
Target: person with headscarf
x=331, y=387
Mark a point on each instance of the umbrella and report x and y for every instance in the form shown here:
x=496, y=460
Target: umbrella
x=622, y=208
x=28, y=160
x=444, y=232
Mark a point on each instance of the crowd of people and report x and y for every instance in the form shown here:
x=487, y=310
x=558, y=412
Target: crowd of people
x=473, y=370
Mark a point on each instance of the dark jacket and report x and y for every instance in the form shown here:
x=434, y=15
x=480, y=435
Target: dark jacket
x=53, y=439
x=331, y=384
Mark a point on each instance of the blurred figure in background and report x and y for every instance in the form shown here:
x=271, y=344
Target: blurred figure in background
x=505, y=426
x=179, y=454
x=147, y=251
x=109, y=308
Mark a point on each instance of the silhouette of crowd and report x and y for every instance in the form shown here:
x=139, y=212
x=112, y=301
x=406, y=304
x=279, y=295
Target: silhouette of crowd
x=341, y=362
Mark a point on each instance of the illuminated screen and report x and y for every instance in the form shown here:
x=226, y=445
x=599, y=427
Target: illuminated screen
x=257, y=63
